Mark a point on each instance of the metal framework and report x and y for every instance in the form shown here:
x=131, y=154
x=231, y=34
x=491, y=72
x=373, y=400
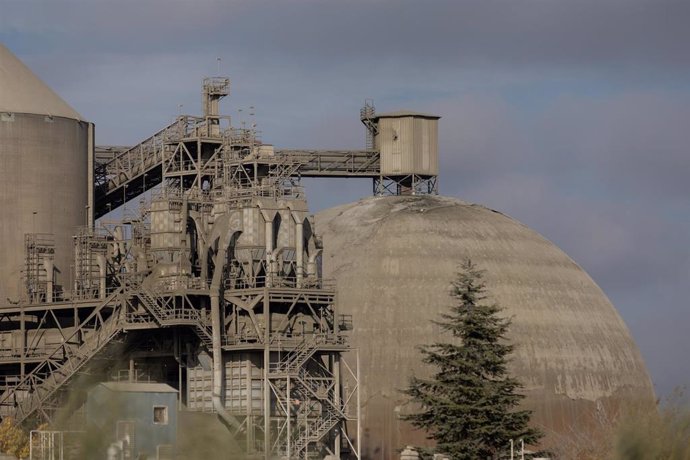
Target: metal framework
x=39, y=252
x=188, y=152
x=219, y=275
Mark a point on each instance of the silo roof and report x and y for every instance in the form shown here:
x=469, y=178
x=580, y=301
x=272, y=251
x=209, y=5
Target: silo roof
x=405, y=113
x=21, y=91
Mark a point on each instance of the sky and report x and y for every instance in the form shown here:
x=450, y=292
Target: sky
x=573, y=117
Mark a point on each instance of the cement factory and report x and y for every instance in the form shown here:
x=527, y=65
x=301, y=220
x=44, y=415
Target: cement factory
x=218, y=318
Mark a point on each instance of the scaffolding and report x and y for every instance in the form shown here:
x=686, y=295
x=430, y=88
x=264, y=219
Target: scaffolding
x=39, y=251
x=218, y=277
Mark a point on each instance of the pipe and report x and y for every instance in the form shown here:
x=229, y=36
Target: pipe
x=100, y=261
x=216, y=326
x=299, y=251
x=269, y=252
x=48, y=266
x=184, y=218
x=311, y=264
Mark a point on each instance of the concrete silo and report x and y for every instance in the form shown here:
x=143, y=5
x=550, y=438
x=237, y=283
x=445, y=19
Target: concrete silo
x=394, y=258
x=44, y=184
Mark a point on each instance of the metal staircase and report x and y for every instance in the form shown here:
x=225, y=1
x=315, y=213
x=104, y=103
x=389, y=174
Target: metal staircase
x=311, y=429
x=35, y=390
x=314, y=431
x=294, y=360
x=167, y=315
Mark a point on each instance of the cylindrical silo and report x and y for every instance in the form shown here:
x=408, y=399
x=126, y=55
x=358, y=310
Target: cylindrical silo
x=44, y=176
x=394, y=259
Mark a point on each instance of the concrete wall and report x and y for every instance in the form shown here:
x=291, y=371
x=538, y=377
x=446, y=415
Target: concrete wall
x=394, y=259
x=43, y=189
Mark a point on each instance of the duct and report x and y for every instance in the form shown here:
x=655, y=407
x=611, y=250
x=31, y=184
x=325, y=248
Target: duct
x=299, y=249
x=100, y=261
x=119, y=247
x=48, y=266
x=216, y=325
x=269, y=252
x=311, y=264
x=184, y=217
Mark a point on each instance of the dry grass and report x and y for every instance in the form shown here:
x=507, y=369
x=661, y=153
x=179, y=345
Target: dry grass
x=661, y=432
x=657, y=435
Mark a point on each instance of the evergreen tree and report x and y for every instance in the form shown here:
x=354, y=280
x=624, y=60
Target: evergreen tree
x=469, y=405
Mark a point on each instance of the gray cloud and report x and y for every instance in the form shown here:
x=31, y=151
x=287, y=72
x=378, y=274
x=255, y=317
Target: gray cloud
x=642, y=35
x=569, y=116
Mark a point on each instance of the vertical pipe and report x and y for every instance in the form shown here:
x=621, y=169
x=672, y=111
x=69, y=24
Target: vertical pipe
x=198, y=163
x=359, y=402
x=299, y=250
x=90, y=177
x=216, y=334
x=311, y=263
x=204, y=265
x=22, y=339
x=48, y=266
x=267, y=393
x=289, y=412
x=335, y=361
x=184, y=217
x=269, y=251
x=131, y=370
x=218, y=360
x=100, y=261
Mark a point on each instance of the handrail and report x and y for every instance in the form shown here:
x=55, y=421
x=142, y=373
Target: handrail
x=66, y=354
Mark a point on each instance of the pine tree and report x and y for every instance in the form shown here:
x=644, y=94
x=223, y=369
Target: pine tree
x=469, y=406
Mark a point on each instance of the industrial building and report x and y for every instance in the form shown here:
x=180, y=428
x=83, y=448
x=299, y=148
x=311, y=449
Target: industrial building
x=292, y=334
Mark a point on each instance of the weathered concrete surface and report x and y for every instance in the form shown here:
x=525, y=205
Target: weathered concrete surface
x=394, y=258
x=22, y=91
x=43, y=173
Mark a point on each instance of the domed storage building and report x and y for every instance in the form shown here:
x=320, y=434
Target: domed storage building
x=394, y=259
x=44, y=184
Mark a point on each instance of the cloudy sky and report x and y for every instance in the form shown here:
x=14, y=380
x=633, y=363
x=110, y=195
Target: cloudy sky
x=571, y=116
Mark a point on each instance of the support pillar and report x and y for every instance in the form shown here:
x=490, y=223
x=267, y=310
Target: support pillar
x=267, y=390
x=335, y=360
x=269, y=252
x=299, y=250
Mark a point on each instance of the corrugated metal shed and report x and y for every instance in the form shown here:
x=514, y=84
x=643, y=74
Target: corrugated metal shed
x=408, y=142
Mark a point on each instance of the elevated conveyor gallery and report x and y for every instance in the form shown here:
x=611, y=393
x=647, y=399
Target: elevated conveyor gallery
x=402, y=158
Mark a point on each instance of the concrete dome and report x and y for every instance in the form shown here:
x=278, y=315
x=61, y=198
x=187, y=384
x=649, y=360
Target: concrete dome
x=394, y=259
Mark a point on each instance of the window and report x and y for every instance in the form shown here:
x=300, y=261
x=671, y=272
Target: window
x=160, y=415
